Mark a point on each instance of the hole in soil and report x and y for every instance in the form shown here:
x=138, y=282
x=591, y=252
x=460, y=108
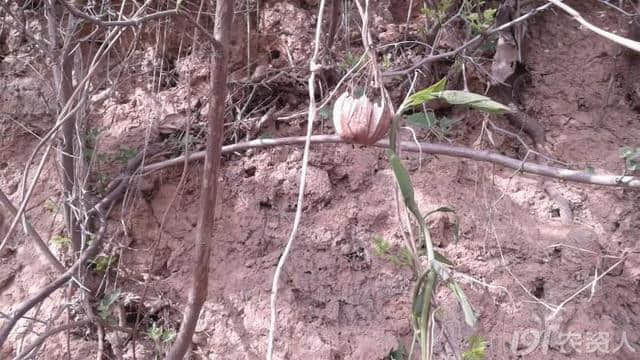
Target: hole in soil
x=265, y=204
x=3, y=165
x=169, y=74
x=250, y=171
x=555, y=213
x=538, y=288
x=274, y=54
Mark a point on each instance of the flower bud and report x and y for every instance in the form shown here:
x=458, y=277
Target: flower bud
x=360, y=120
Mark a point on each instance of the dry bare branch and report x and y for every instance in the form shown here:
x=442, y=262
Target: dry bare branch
x=87, y=254
x=209, y=188
x=428, y=148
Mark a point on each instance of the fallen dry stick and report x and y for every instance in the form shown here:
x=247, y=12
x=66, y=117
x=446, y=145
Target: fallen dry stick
x=428, y=148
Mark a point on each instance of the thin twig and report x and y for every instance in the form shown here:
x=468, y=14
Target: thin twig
x=31, y=231
x=628, y=43
x=303, y=172
x=87, y=254
x=51, y=332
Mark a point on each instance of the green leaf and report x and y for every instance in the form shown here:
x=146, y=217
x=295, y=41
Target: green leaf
x=489, y=14
x=480, y=102
x=325, y=112
x=404, y=181
x=168, y=335
x=625, y=152
x=399, y=353
x=432, y=278
x=441, y=209
x=423, y=120
x=469, y=316
x=105, y=304
x=427, y=94
x=440, y=258
x=380, y=246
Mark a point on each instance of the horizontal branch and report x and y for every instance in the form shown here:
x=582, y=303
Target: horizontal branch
x=428, y=148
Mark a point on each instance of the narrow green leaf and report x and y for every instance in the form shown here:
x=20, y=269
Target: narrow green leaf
x=441, y=209
x=404, y=181
x=469, y=316
x=480, y=102
x=427, y=94
x=418, y=300
x=430, y=284
x=440, y=258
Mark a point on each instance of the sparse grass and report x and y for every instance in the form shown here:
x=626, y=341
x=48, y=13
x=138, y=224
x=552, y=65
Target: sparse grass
x=477, y=349
x=61, y=242
x=383, y=249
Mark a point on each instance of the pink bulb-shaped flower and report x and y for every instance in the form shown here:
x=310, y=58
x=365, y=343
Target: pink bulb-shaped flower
x=360, y=120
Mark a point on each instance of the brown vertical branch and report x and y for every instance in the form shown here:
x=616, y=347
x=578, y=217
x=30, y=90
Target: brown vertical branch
x=68, y=159
x=209, y=188
x=63, y=79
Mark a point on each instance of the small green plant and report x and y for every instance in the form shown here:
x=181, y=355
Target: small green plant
x=160, y=336
x=386, y=62
x=441, y=126
x=438, y=13
x=438, y=270
x=398, y=353
x=384, y=249
x=102, y=262
x=50, y=206
x=350, y=60
x=631, y=158
x=481, y=20
x=104, y=308
x=61, y=242
x=90, y=142
x=477, y=349
x=125, y=154
x=102, y=181
x=325, y=112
